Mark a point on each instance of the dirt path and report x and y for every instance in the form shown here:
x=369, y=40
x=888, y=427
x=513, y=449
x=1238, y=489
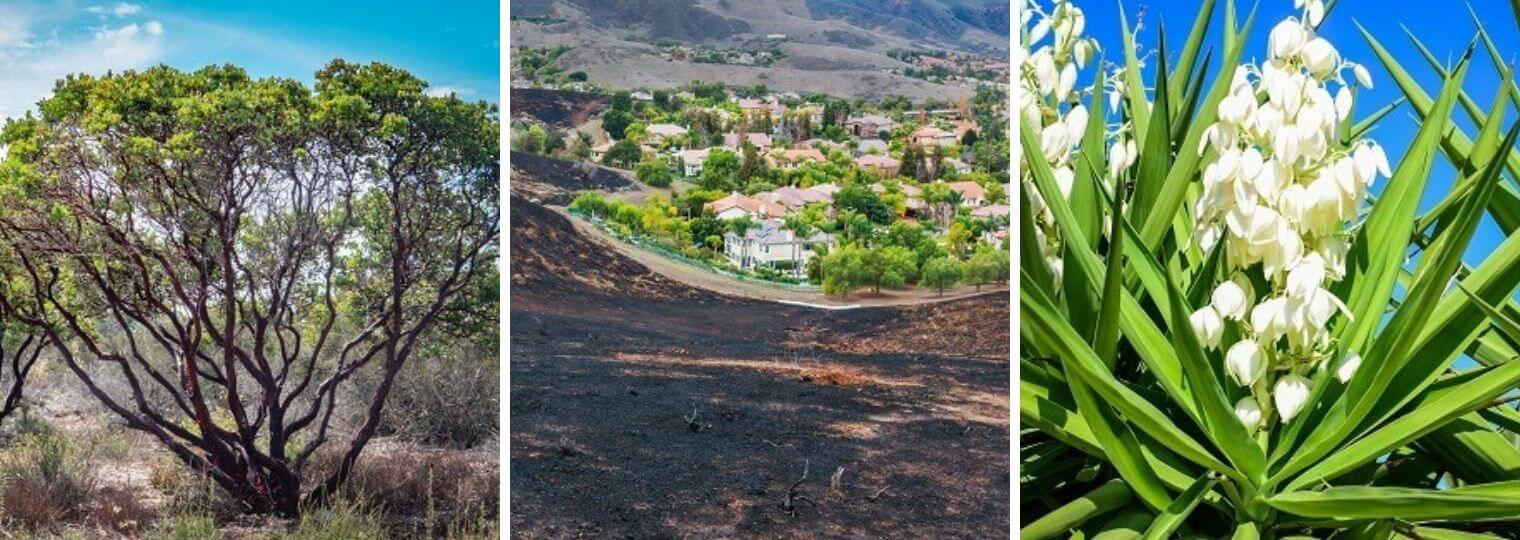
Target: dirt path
x=705, y=279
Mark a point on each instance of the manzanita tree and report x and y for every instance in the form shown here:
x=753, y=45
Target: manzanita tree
x=217, y=257
x=1239, y=338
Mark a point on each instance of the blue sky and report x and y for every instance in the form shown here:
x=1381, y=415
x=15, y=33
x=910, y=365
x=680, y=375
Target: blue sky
x=453, y=45
x=1445, y=30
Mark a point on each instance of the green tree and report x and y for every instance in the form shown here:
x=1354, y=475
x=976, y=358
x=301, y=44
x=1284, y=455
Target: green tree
x=720, y=171
x=843, y=270
x=615, y=123
x=859, y=198
x=376, y=201
x=590, y=202
x=911, y=161
x=653, y=171
x=623, y=154
x=941, y=273
x=529, y=139
x=987, y=265
x=889, y=266
x=622, y=101
x=752, y=165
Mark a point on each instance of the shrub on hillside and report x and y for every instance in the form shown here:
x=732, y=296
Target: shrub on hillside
x=44, y=482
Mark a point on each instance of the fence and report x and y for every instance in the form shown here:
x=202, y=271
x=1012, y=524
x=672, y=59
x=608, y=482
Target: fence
x=662, y=251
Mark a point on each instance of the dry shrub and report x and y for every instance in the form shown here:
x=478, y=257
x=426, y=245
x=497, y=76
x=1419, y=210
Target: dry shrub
x=45, y=482
x=119, y=511
x=433, y=490
x=350, y=521
x=189, y=493
x=447, y=396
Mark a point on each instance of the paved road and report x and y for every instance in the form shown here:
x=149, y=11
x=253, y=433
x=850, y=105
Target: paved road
x=706, y=279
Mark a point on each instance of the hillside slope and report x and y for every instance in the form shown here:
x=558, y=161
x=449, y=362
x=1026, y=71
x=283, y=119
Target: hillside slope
x=643, y=407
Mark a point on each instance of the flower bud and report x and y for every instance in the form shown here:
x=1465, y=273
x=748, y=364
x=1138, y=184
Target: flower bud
x=1362, y=76
x=1347, y=366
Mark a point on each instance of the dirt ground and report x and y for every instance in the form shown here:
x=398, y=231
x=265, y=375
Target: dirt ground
x=645, y=407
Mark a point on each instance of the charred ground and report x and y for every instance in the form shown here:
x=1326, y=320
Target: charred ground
x=645, y=407
x=562, y=109
x=556, y=181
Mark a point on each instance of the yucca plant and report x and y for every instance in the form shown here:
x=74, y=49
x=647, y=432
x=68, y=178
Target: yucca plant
x=1224, y=332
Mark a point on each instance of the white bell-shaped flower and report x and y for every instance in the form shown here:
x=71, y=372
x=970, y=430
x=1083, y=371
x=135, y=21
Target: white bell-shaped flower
x=1065, y=177
x=1232, y=299
x=1249, y=413
x=1245, y=362
x=1040, y=30
x=1306, y=276
x=1207, y=326
x=1347, y=366
x=1067, y=81
x=1076, y=123
x=1285, y=39
x=1320, y=57
x=1269, y=320
x=1290, y=394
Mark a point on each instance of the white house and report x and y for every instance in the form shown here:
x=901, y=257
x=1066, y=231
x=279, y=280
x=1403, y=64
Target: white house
x=691, y=161
x=769, y=244
x=659, y=132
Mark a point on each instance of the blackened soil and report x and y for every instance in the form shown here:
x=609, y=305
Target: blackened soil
x=557, y=181
x=559, y=108
x=641, y=407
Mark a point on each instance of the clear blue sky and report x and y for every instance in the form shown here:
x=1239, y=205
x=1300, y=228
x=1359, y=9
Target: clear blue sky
x=454, y=45
x=1445, y=30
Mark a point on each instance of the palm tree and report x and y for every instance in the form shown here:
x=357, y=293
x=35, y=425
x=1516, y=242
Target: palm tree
x=802, y=229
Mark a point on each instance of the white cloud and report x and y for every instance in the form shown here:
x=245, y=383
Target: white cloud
x=121, y=9
x=445, y=90
x=31, y=64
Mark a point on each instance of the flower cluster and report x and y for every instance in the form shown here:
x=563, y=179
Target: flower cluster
x=1050, y=103
x=1279, y=188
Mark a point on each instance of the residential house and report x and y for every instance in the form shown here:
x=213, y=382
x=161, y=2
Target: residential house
x=961, y=127
x=641, y=95
x=912, y=195
x=827, y=189
x=791, y=158
x=872, y=146
x=770, y=244
x=882, y=165
x=737, y=205
x=933, y=137
x=793, y=198
x=991, y=211
x=692, y=160
x=755, y=107
x=960, y=167
x=600, y=151
x=761, y=141
x=972, y=193
x=658, y=133
x=814, y=114
x=997, y=238
x=869, y=125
